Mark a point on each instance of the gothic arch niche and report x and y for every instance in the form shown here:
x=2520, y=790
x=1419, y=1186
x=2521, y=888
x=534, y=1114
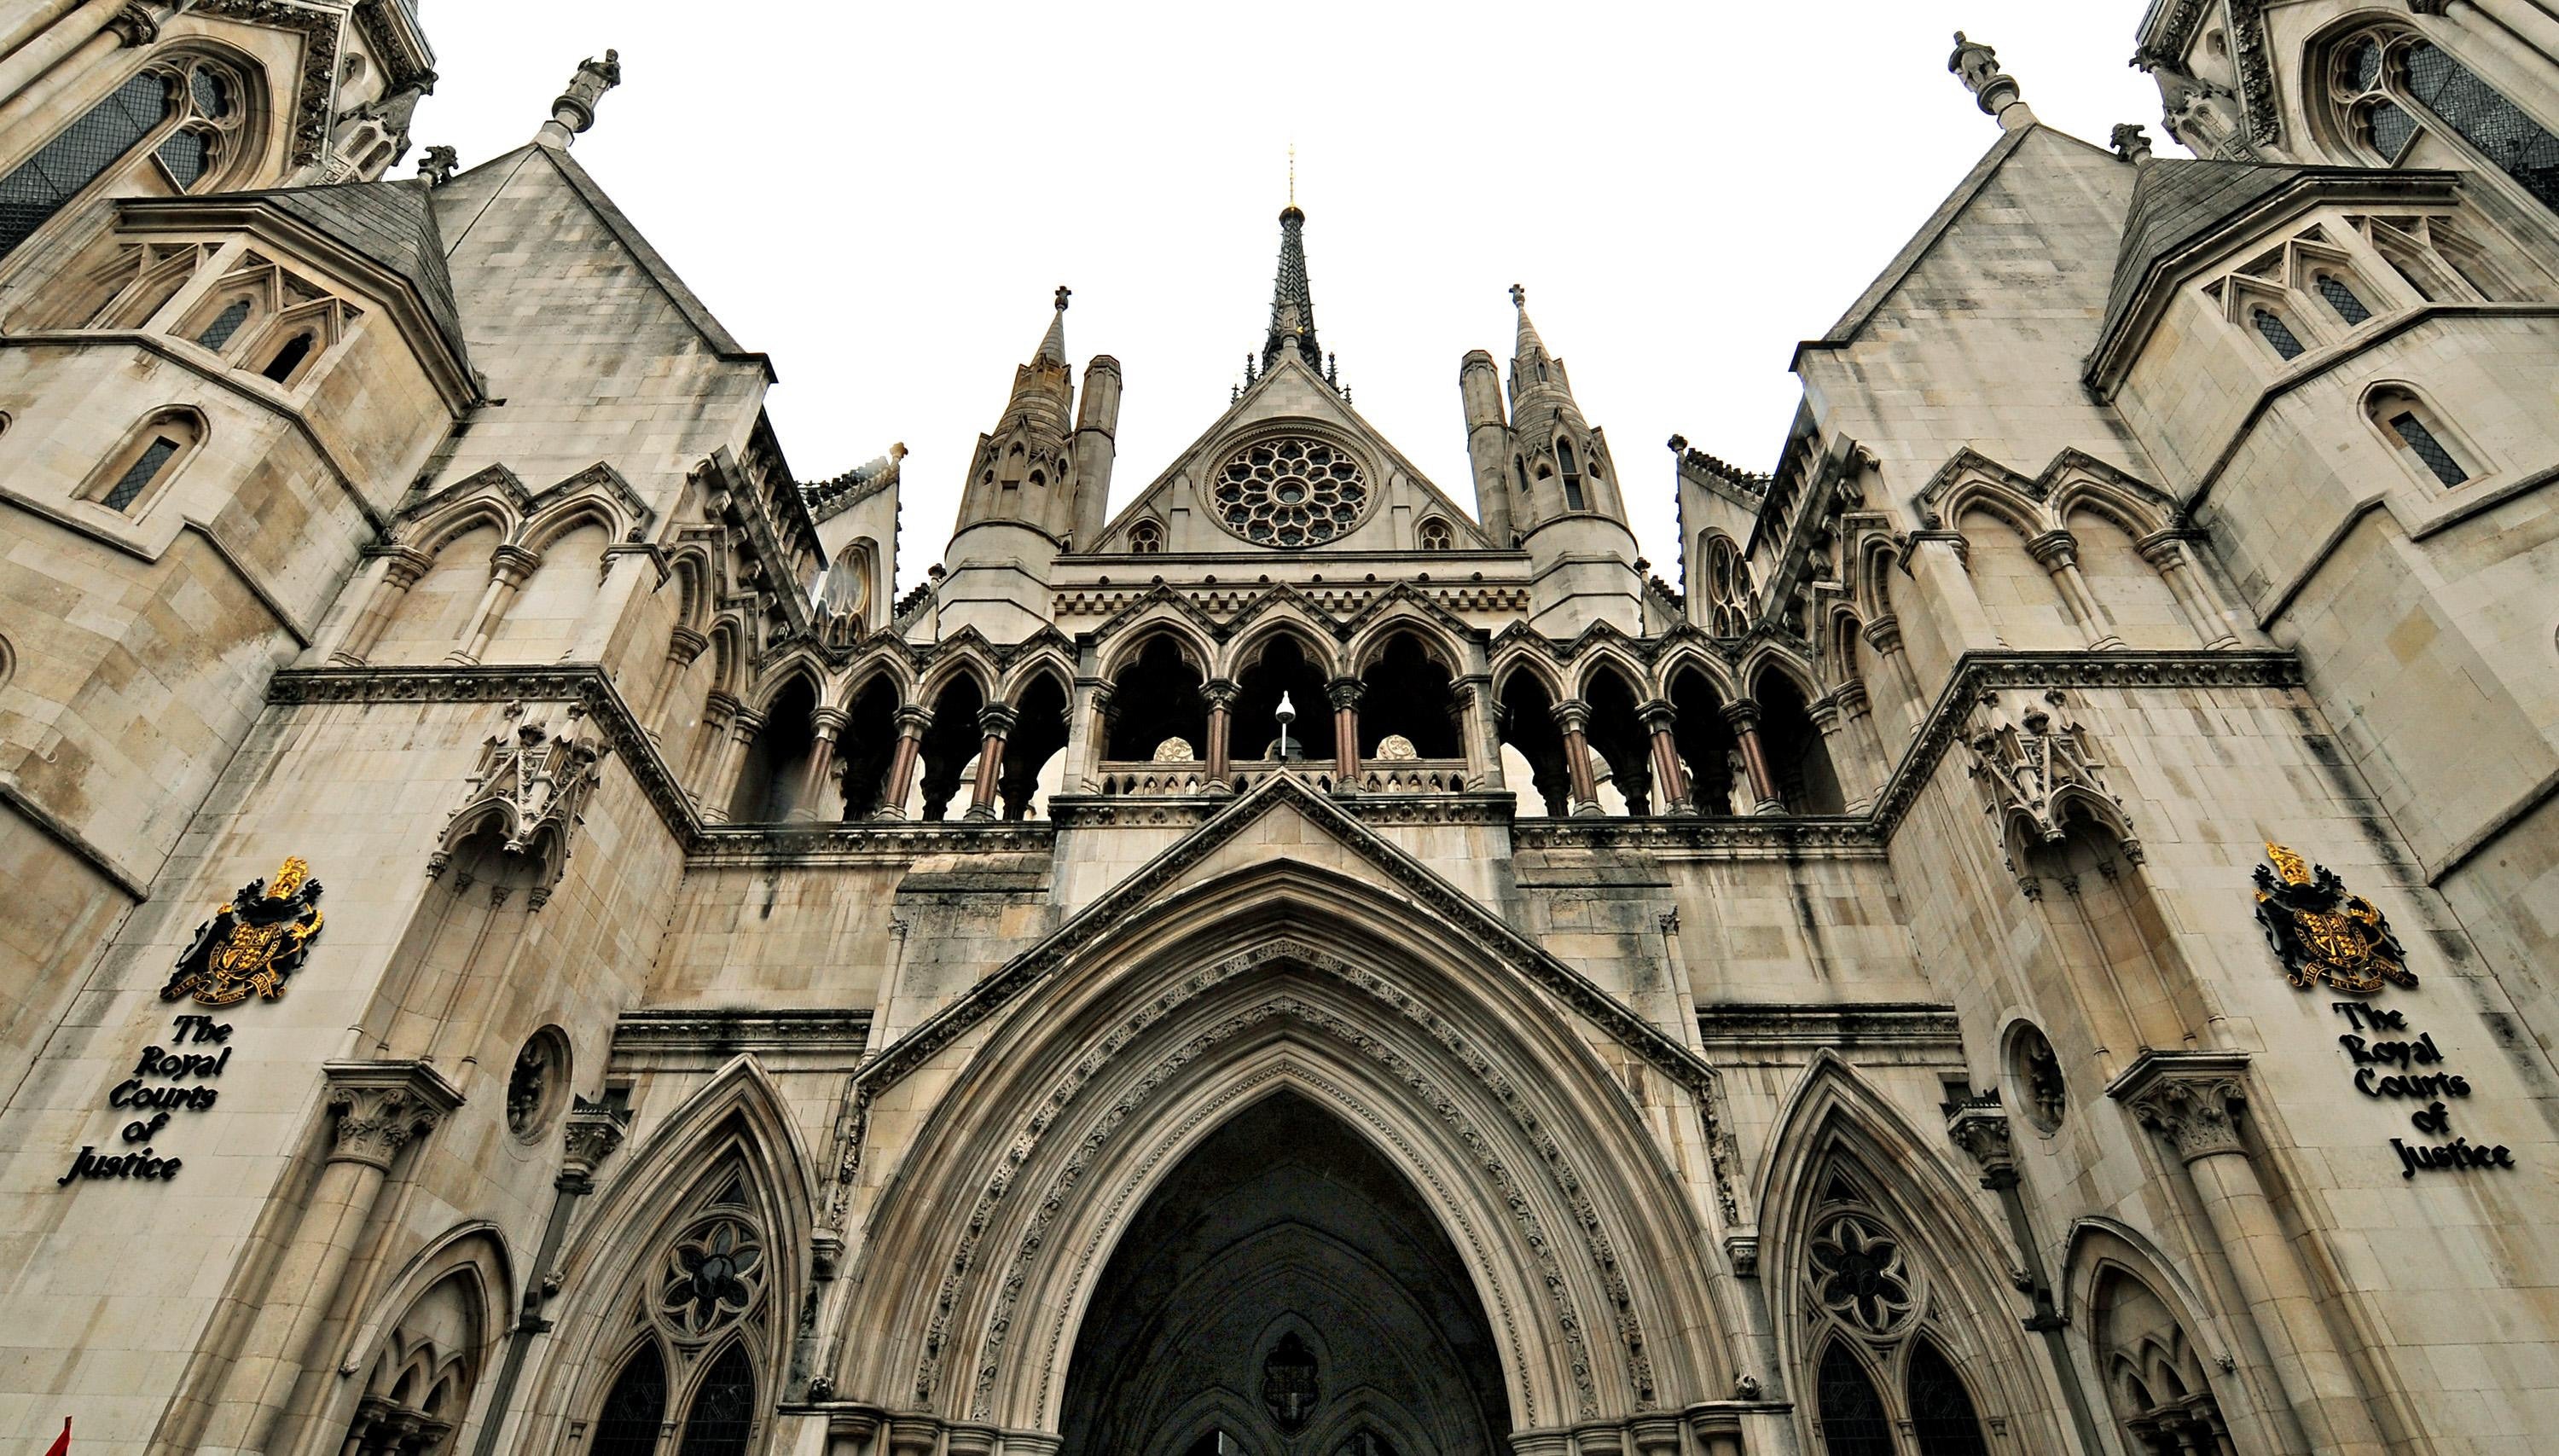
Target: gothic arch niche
x=1287, y=1265
x=549, y=612
x=1894, y=1321
x=687, y=1280
x=996, y=1238
x=424, y=1360
x=429, y=619
x=2166, y=1389
x=2111, y=952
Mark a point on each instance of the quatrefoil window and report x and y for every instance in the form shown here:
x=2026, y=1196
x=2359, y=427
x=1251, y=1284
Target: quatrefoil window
x=1859, y=1274
x=713, y=1275
x=1290, y=491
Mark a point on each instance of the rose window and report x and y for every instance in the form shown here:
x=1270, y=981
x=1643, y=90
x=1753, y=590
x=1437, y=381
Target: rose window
x=1858, y=1275
x=1290, y=491
x=713, y=1275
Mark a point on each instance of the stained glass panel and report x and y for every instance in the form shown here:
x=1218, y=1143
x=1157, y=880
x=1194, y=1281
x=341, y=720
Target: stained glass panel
x=723, y=1408
x=185, y=154
x=144, y=469
x=212, y=94
x=634, y=1408
x=2429, y=449
x=1853, y=1418
x=1941, y=1411
x=72, y=161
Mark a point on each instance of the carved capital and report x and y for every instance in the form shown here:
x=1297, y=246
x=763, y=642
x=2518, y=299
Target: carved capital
x=379, y=1107
x=403, y=565
x=590, y=1133
x=684, y=645
x=1980, y=1129
x=1743, y=714
x=1657, y=715
x=2053, y=550
x=512, y=564
x=1220, y=693
x=2191, y=1098
x=996, y=720
x=912, y=719
x=1572, y=715
x=1345, y=692
x=825, y=723
x=1883, y=634
x=133, y=25
x=1852, y=697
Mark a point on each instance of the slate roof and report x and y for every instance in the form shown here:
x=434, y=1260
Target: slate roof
x=389, y=222
x=2176, y=203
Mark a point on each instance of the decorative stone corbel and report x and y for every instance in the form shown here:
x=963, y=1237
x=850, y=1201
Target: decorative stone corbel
x=2027, y=762
x=378, y=1108
x=1979, y=1125
x=590, y=1134
x=2191, y=1098
x=535, y=783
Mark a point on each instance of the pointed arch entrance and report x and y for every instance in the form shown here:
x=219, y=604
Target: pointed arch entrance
x=1286, y=1288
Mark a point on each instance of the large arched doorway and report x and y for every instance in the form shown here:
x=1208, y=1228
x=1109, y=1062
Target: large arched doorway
x=1284, y=1290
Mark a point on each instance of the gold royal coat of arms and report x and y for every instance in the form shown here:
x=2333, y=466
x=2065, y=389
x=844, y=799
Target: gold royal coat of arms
x=252, y=943
x=2323, y=934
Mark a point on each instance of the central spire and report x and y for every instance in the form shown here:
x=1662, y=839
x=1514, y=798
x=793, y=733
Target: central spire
x=1292, y=308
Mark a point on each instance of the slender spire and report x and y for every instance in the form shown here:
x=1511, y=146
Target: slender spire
x=1052, y=349
x=1292, y=308
x=1529, y=346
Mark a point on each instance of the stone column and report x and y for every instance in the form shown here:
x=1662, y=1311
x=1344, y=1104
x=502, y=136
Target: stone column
x=1221, y=695
x=1979, y=1127
x=809, y=804
x=590, y=1134
x=913, y=1435
x=1857, y=710
x=1466, y=700
x=375, y=1109
x=508, y=567
x=1883, y=634
x=1679, y=795
x=33, y=22
x=994, y=721
x=1718, y=1431
x=2057, y=552
x=1743, y=715
x=89, y=34
x=1846, y=765
x=1097, y=732
x=1655, y=1435
x=2193, y=1100
x=2166, y=551
x=911, y=722
x=1344, y=693
x=743, y=725
x=1941, y=563
x=1573, y=719
x=401, y=567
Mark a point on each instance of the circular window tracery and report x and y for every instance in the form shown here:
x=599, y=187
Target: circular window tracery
x=713, y=1275
x=1859, y=1274
x=1290, y=491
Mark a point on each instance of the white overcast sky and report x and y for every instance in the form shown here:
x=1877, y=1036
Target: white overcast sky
x=883, y=196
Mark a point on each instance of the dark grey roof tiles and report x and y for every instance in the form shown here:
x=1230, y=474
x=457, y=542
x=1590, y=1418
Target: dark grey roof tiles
x=391, y=223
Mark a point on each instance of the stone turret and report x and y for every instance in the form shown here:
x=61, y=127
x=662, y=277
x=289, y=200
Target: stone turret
x=1566, y=507
x=1019, y=503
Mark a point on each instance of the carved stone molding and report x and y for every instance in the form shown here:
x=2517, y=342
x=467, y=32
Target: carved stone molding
x=133, y=25
x=714, y=1036
x=378, y=1108
x=590, y=1134
x=2191, y=1098
x=2027, y=762
x=319, y=29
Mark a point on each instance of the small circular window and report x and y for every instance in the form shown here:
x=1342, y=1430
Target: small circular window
x=2035, y=1086
x=1290, y=491
x=537, y=1084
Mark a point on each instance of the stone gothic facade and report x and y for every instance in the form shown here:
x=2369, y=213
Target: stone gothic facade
x=2032, y=934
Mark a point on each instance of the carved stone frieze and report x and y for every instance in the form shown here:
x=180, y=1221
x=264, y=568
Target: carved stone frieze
x=320, y=31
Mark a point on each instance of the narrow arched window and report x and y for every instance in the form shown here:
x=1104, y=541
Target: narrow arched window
x=1852, y=1413
x=1941, y=1411
x=1146, y=538
x=1519, y=463
x=1434, y=536
x=634, y=1408
x=1572, y=500
x=2342, y=298
x=192, y=106
x=2276, y=331
x=723, y=1414
x=134, y=474
x=225, y=324
x=2410, y=425
x=287, y=359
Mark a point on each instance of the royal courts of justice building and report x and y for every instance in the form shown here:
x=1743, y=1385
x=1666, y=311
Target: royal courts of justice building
x=2035, y=932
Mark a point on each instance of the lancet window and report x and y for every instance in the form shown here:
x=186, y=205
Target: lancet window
x=2395, y=86
x=185, y=112
x=700, y=1318
x=1882, y=1381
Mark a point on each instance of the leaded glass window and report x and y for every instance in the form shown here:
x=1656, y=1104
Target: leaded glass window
x=634, y=1408
x=1292, y=491
x=225, y=325
x=1852, y=1413
x=2277, y=333
x=138, y=476
x=2422, y=441
x=1941, y=1411
x=723, y=1413
x=190, y=103
x=2392, y=84
x=2342, y=299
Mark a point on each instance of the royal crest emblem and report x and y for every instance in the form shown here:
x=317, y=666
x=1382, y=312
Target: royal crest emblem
x=2320, y=933
x=252, y=943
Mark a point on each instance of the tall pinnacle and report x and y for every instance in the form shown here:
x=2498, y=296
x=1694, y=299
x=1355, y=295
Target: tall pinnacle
x=1292, y=308
x=1529, y=346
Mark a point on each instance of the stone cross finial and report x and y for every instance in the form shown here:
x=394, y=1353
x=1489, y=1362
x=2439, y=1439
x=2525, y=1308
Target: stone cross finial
x=1518, y=297
x=573, y=109
x=1978, y=66
x=1062, y=294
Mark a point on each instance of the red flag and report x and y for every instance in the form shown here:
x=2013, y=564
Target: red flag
x=62, y=1445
